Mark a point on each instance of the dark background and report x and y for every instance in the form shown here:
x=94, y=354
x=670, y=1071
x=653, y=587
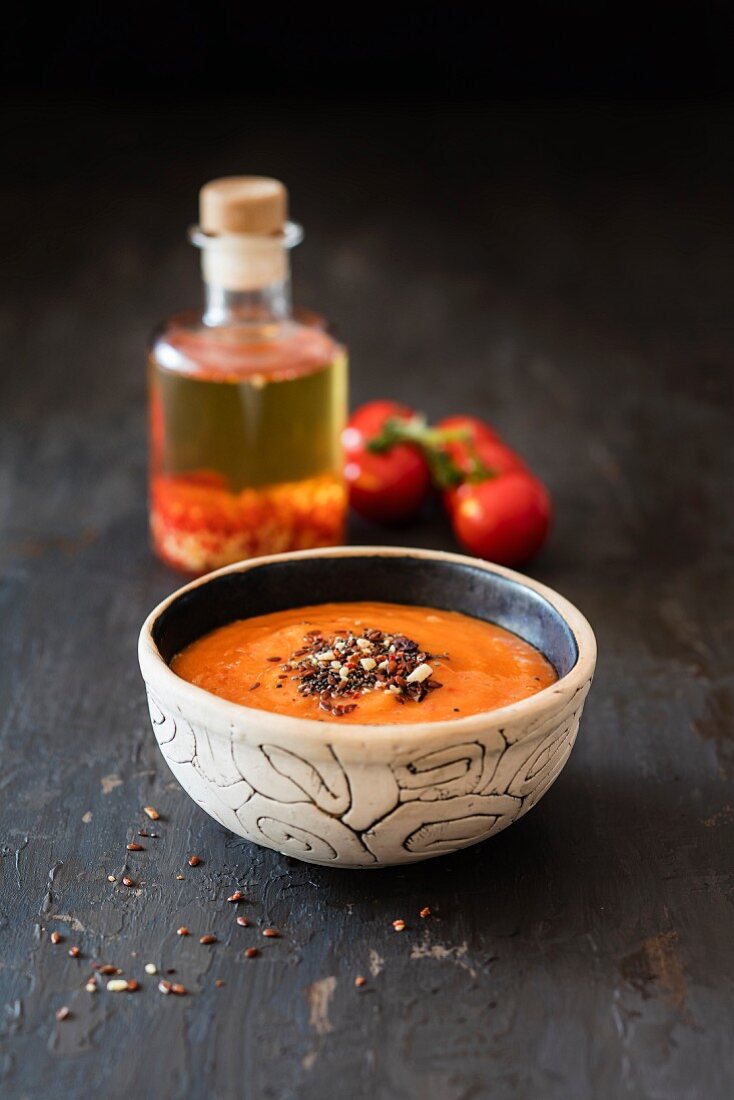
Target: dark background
x=527, y=216
x=373, y=53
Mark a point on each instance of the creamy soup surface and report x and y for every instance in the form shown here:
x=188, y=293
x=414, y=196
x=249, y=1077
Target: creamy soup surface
x=373, y=663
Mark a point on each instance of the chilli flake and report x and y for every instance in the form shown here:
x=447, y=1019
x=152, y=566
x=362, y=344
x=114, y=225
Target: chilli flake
x=371, y=661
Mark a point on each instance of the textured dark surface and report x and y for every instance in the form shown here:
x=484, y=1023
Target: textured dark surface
x=566, y=272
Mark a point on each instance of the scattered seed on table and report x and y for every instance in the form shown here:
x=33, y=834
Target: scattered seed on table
x=117, y=985
x=179, y=877
x=133, y=847
x=106, y=969
x=142, y=832
x=151, y=968
x=426, y=911
x=151, y=812
x=219, y=983
x=271, y=933
x=127, y=881
x=183, y=931
x=56, y=937
x=164, y=986
x=194, y=861
x=274, y=659
x=399, y=925
x=91, y=987
x=359, y=980
x=236, y=896
x=206, y=940
x=132, y=985
x=111, y=878
x=179, y=990
x=243, y=922
x=251, y=952
x=74, y=952
x=64, y=1013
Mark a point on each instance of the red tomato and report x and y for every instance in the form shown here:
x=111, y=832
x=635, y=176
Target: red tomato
x=482, y=444
x=504, y=519
x=388, y=487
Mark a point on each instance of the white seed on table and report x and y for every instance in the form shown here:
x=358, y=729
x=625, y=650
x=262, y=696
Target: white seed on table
x=151, y=968
x=117, y=985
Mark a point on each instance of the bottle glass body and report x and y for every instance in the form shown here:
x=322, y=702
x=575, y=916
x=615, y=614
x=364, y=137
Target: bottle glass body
x=246, y=416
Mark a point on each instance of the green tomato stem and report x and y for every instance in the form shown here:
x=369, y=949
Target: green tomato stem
x=431, y=442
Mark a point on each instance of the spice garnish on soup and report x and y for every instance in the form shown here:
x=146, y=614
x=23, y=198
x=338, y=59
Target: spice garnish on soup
x=369, y=663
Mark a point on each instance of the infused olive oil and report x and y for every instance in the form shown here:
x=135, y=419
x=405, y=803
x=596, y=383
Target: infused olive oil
x=247, y=403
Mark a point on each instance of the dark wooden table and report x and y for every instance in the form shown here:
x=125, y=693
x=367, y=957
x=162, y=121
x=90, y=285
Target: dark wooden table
x=566, y=272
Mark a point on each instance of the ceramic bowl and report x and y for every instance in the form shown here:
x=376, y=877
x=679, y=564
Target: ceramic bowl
x=360, y=795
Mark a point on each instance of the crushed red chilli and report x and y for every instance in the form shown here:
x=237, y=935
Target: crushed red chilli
x=345, y=665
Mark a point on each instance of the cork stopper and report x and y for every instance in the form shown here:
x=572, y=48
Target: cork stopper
x=255, y=205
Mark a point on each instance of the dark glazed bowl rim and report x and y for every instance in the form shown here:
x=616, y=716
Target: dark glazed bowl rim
x=536, y=612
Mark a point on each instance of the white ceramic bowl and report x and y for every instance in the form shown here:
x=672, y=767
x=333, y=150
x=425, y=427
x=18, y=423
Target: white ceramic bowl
x=359, y=795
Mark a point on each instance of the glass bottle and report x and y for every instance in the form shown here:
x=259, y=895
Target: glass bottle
x=247, y=403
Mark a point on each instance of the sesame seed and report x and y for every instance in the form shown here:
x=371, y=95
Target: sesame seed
x=63, y=1013
x=151, y=812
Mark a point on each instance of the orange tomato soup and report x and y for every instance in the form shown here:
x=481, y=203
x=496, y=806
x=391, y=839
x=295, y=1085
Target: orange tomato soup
x=373, y=663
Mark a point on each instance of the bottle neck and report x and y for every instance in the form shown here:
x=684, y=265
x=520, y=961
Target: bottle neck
x=223, y=306
x=246, y=280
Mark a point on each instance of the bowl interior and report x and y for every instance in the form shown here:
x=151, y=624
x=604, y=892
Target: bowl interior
x=443, y=584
